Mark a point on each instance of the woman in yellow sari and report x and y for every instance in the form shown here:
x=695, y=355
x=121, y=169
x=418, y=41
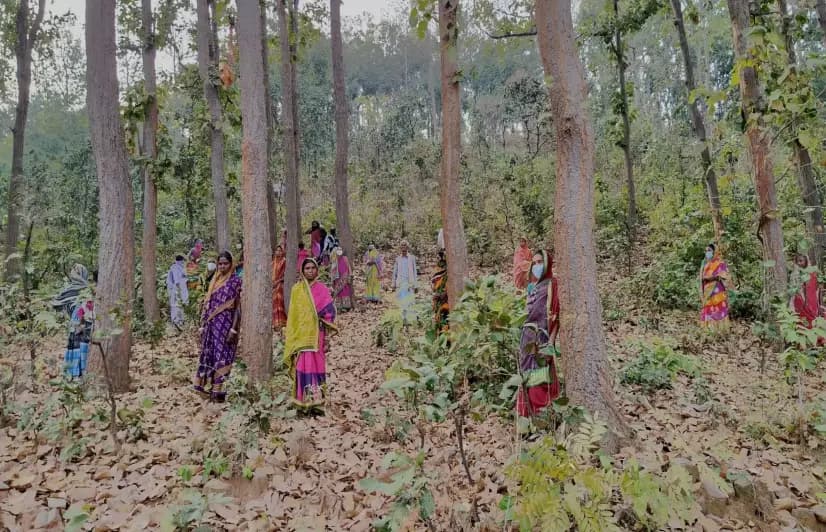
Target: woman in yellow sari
x=309, y=323
x=375, y=269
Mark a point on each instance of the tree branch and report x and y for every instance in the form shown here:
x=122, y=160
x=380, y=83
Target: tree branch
x=508, y=35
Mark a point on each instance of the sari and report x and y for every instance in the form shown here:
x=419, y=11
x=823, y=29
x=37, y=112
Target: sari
x=303, y=255
x=541, y=383
x=342, y=287
x=80, y=334
x=806, y=301
x=373, y=263
x=279, y=314
x=193, y=277
x=310, y=321
x=405, y=281
x=218, y=346
x=713, y=293
x=521, y=266
x=441, y=309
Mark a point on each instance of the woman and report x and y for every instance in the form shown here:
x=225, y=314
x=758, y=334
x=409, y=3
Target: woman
x=219, y=330
x=521, y=264
x=806, y=301
x=303, y=254
x=310, y=321
x=540, y=330
x=279, y=267
x=342, y=284
x=374, y=269
x=441, y=309
x=713, y=292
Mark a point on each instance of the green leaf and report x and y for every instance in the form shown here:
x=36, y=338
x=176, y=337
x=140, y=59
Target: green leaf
x=427, y=506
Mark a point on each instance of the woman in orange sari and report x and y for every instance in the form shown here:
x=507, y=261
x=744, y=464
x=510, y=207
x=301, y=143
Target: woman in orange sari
x=521, y=264
x=279, y=266
x=714, y=276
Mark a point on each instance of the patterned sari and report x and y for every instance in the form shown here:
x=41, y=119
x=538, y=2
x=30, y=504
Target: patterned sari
x=441, y=308
x=539, y=369
x=218, y=346
x=80, y=334
x=373, y=263
x=340, y=275
x=310, y=321
x=279, y=314
x=713, y=276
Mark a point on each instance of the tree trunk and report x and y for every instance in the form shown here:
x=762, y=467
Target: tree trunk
x=149, y=243
x=769, y=226
x=342, y=133
x=820, y=5
x=806, y=179
x=619, y=53
x=116, y=213
x=27, y=36
x=450, y=197
x=431, y=89
x=289, y=104
x=265, y=56
x=588, y=380
x=698, y=121
x=208, y=68
x=256, y=313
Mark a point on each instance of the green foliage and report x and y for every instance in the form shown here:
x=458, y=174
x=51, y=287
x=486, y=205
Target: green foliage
x=190, y=510
x=75, y=516
x=560, y=487
x=656, y=366
x=405, y=480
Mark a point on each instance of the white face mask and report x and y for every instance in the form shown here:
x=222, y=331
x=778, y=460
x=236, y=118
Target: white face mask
x=709, y=255
x=211, y=266
x=537, y=270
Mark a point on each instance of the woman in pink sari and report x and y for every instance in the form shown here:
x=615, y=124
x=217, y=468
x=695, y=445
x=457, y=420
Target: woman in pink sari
x=341, y=277
x=309, y=323
x=806, y=301
x=521, y=264
x=713, y=290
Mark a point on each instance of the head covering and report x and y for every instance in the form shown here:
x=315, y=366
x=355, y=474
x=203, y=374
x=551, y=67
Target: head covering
x=305, y=261
x=338, y=251
x=548, y=262
x=66, y=299
x=220, y=279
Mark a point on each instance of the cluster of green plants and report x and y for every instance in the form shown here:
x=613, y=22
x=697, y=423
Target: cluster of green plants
x=567, y=482
x=656, y=366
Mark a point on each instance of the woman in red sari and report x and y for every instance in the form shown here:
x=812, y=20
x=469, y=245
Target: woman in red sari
x=521, y=264
x=279, y=266
x=541, y=383
x=806, y=301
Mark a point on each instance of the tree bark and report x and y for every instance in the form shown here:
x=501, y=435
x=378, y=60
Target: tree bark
x=588, y=380
x=820, y=5
x=208, y=53
x=149, y=242
x=450, y=185
x=265, y=56
x=256, y=313
x=27, y=35
x=698, y=122
x=806, y=179
x=342, y=113
x=289, y=104
x=619, y=53
x=116, y=214
x=769, y=227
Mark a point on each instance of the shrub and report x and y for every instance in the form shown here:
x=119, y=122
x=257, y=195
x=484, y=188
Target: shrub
x=656, y=366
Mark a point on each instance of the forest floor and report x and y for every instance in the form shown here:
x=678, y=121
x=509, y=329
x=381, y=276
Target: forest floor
x=304, y=474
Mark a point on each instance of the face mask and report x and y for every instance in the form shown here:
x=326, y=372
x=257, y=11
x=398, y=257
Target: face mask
x=537, y=270
x=709, y=255
x=211, y=266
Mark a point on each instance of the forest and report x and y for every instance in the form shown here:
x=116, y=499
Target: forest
x=574, y=281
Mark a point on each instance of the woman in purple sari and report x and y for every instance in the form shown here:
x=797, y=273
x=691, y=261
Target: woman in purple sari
x=309, y=323
x=219, y=330
x=342, y=284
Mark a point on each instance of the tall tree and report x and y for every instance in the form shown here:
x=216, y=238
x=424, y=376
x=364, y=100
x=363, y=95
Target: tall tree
x=806, y=179
x=149, y=243
x=27, y=33
x=256, y=313
x=588, y=379
x=622, y=66
x=450, y=198
x=342, y=114
x=265, y=57
x=289, y=106
x=116, y=252
x=769, y=225
x=698, y=121
x=208, y=53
